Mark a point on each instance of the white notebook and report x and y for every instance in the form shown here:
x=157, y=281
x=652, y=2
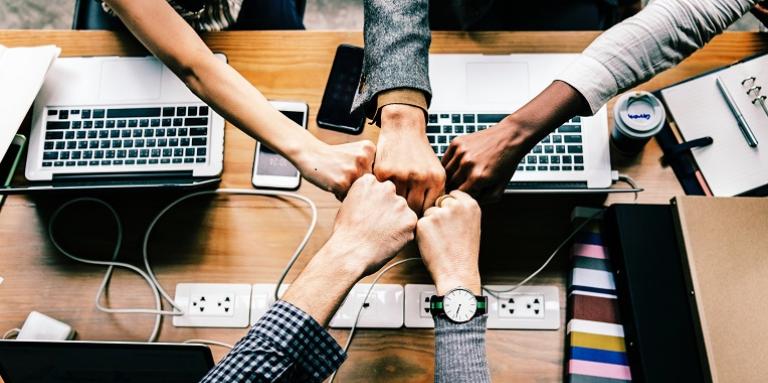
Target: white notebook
x=729, y=165
x=22, y=71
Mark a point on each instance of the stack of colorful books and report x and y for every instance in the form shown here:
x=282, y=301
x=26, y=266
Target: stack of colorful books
x=595, y=351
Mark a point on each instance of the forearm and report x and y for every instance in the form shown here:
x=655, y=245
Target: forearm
x=660, y=36
x=555, y=105
x=397, y=39
x=169, y=38
x=324, y=283
x=460, y=351
x=231, y=95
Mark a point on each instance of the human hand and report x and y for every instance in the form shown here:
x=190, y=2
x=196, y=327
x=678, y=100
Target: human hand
x=403, y=156
x=449, y=241
x=372, y=225
x=482, y=163
x=335, y=168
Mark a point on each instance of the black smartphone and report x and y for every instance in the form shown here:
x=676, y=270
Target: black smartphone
x=335, y=109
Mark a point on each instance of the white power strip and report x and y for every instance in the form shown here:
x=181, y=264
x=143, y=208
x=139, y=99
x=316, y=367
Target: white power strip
x=213, y=305
x=384, y=307
x=388, y=306
x=525, y=308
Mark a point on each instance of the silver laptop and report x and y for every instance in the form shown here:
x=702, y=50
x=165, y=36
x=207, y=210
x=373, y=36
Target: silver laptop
x=130, y=120
x=473, y=92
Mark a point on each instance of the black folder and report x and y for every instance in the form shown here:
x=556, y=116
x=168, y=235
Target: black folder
x=658, y=320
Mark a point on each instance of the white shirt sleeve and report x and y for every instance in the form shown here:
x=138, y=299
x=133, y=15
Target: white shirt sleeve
x=657, y=38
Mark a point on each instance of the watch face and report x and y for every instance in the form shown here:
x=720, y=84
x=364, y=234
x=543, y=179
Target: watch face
x=459, y=305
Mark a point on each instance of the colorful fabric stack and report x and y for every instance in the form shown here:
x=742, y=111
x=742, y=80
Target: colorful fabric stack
x=595, y=351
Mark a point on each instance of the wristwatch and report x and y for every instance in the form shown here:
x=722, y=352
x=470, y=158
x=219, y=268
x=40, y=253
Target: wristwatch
x=459, y=305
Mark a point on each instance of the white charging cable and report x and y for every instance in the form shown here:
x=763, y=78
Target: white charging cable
x=365, y=303
x=527, y=279
x=111, y=265
x=147, y=274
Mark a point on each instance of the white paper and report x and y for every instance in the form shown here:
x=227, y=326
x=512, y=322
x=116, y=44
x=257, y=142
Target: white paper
x=729, y=165
x=22, y=71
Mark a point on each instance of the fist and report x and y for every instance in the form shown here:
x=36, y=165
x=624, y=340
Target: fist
x=404, y=157
x=449, y=241
x=336, y=167
x=373, y=222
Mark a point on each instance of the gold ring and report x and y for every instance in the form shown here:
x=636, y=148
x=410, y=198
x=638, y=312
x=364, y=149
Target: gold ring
x=439, y=200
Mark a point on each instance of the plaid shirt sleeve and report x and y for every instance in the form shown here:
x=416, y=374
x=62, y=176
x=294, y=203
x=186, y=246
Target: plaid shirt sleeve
x=285, y=345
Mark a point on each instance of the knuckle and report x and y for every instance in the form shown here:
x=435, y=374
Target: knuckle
x=417, y=177
x=476, y=175
x=389, y=186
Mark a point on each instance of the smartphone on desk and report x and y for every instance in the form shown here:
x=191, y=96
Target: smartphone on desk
x=335, y=108
x=271, y=170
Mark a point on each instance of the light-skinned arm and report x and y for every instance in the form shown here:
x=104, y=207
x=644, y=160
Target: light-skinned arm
x=175, y=43
x=289, y=343
x=449, y=241
x=372, y=225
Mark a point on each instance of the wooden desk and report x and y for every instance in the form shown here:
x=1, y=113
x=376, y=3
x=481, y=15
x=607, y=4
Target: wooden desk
x=248, y=240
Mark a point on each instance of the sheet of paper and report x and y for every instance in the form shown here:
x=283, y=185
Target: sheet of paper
x=729, y=165
x=22, y=71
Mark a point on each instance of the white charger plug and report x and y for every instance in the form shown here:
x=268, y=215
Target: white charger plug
x=39, y=326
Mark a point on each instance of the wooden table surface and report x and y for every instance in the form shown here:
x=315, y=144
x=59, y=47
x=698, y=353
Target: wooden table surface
x=249, y=239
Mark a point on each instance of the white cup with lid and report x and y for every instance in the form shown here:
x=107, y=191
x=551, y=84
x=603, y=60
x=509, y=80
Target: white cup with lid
x=637, y=116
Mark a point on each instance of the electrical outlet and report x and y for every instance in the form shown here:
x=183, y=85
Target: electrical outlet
x=525, y=308
x=213, y=305
x=416, y=311
x=384, y=307
x=521, y=306
x=262, y=298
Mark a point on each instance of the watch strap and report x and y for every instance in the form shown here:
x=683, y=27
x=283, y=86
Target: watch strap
x=436, y=305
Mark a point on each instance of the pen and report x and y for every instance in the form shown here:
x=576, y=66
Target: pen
x=743, y=126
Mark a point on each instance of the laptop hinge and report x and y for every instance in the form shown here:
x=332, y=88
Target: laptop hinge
x=123, y=177
x=546, y=185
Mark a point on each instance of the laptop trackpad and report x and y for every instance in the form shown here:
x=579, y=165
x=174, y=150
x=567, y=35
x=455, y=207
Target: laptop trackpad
x=497, y=83
x=128, y=79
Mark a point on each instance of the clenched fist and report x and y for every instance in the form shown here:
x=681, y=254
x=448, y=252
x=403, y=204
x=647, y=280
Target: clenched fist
x=373, y=224
x=335, y=167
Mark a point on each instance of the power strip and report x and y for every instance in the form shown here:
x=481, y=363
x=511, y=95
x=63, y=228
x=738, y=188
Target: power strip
x=525, y=308
x=213, y=305
x=383, y=309
x=389, y=306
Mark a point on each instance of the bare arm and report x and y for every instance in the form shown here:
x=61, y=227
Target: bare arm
x=633, y=51
x=175, y=43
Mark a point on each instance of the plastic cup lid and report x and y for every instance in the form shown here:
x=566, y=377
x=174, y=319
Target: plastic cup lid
x=639, y=113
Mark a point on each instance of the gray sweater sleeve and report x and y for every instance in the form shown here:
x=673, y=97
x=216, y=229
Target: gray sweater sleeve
x=397, y=39
x=460, y=351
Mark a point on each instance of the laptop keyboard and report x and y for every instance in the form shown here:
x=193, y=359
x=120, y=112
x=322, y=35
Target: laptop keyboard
x=560, y=151
x=121, y=136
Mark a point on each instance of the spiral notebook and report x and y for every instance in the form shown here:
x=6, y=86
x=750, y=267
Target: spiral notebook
x=697, y=106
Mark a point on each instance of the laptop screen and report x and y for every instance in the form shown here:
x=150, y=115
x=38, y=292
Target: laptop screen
x=22, y=361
